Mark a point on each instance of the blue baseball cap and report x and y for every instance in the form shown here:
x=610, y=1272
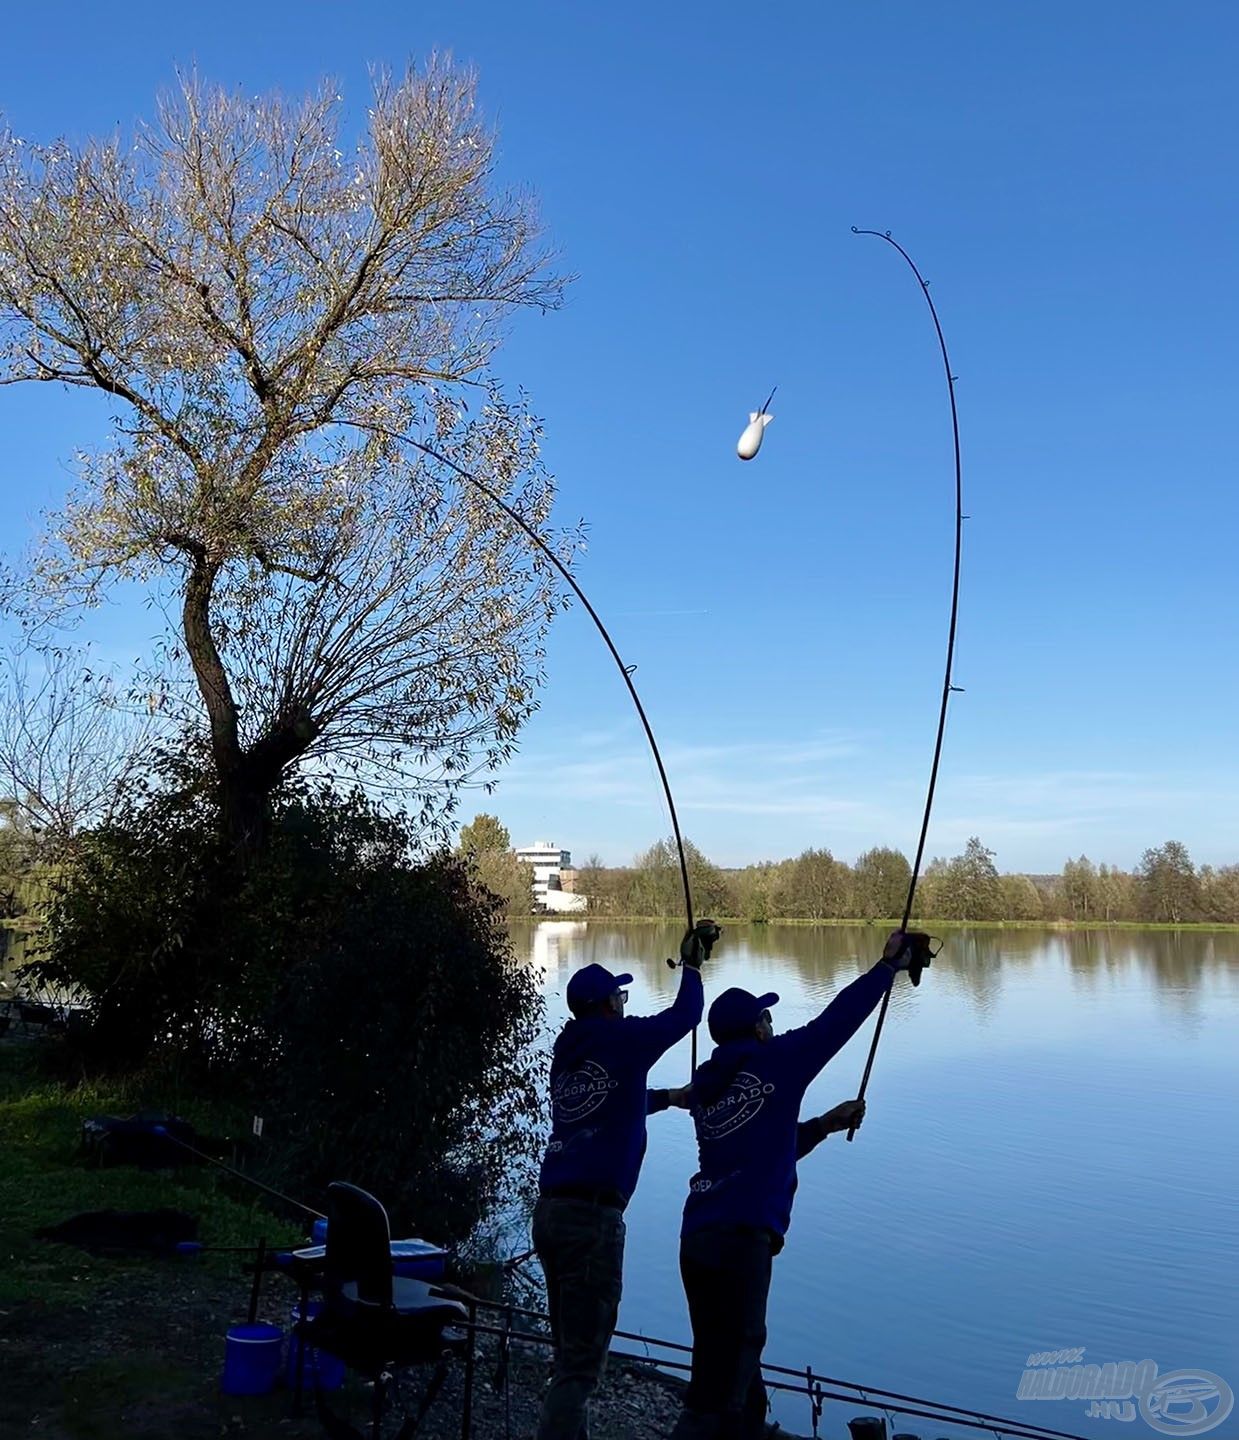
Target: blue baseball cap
x=736, y=1012
x=591, y=984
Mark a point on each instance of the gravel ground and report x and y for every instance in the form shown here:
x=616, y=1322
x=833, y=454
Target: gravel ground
x=141, y=1359
x=634, y=1401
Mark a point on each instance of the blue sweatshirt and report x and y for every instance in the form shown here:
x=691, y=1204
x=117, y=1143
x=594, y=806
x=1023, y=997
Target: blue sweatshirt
x=747, y=1110
x=599, y=1099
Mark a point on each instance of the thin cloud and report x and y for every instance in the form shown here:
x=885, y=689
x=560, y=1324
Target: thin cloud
x=743, y=778
x=760, y=799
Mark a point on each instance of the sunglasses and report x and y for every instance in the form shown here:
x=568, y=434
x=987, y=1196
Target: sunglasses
x=623, y=995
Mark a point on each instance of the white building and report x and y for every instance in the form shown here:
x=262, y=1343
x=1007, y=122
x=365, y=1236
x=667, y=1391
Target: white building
x=565, y=902
x=548, y=861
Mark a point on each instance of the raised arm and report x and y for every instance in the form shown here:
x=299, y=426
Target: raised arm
x=811, y=1046
x=658, y=1033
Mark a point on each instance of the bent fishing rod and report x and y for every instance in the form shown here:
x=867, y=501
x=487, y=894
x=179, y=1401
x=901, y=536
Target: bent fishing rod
x=947, y=687
x=626, y=671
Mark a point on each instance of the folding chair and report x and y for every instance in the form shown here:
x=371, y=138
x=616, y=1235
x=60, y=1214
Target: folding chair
x=373, y=1321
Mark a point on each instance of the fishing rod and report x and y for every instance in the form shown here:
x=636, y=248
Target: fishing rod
x=194, y=1247
x=947, y=686
x=894, y=1402
x=626, y=671
x=165, y=1134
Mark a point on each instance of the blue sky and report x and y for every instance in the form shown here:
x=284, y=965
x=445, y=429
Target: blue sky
x=1064, y=174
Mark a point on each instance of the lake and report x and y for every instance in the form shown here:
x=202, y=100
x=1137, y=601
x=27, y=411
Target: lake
x=1050, y=1158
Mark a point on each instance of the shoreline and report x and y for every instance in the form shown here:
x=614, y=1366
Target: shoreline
x=1198, y=926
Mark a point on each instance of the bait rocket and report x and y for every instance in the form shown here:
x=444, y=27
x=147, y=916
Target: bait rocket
x=750, y=442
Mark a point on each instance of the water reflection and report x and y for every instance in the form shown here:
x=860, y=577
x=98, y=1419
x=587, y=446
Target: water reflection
x=981, y=960
x=552, y=944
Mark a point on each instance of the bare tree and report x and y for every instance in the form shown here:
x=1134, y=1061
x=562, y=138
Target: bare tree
x=269, y=308
x=68, y=742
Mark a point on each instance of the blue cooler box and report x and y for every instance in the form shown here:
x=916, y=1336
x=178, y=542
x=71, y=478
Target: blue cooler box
x=411, y=1259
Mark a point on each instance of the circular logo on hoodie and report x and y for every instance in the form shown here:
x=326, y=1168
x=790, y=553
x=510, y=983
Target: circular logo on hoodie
x=579, y=1092
x=737, y=1105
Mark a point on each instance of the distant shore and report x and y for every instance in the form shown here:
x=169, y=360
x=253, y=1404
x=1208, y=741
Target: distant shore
x=918, y=922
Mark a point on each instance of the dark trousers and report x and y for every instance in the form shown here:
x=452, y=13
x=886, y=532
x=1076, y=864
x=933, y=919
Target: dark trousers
x=726, y=1273
x=581, y=1249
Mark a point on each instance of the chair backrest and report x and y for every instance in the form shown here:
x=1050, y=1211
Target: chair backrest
x=358, y=1244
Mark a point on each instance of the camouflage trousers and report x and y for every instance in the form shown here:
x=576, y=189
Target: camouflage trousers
x=581, y=1248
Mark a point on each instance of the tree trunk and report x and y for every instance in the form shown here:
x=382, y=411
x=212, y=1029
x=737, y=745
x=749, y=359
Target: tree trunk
x=209, y=669
x=243, y=809
x=245, y=790
x=245, y=778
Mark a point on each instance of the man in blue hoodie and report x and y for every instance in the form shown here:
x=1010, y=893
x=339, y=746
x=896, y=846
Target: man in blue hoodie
x=745, y=1101
x=599, y=1101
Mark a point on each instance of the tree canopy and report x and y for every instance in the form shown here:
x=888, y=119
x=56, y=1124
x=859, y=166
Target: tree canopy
x=815, y=885
x=1169, y=883
x=487, y=847
x=880, y=883
x=482, y=833
x=274, y=310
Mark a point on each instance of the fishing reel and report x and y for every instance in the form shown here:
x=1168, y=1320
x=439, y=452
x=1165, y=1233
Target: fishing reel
x=697, y=944
x=919, y=943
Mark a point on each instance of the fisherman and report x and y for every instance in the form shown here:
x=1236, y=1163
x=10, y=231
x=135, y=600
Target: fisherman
x=745, y=1101
x=599, y=1101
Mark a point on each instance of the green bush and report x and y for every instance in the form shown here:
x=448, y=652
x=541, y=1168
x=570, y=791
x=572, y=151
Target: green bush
x=407, y=1045
x=368, y=1005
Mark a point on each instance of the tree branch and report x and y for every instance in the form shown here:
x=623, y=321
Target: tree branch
x=313, y=577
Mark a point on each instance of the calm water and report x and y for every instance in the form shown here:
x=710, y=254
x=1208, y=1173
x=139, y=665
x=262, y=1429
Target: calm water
x=1050, y=1158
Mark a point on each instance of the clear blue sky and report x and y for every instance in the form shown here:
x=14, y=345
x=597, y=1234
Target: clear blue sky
x=1065, y=175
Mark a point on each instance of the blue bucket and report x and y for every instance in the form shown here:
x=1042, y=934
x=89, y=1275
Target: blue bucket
x=318, y=1369
x=251, y=1359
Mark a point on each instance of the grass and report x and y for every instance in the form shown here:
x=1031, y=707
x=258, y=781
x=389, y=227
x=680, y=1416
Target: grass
x=100, y=1348
x=132, y=1349
x=42, y=1182
x=99, y=1392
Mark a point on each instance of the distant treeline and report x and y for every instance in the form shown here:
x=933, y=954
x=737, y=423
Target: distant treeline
x=1165, y=888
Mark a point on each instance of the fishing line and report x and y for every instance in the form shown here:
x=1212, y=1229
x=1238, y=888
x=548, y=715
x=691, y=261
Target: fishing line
x=947, y=686
x=626, y=671
x=166, y=1134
